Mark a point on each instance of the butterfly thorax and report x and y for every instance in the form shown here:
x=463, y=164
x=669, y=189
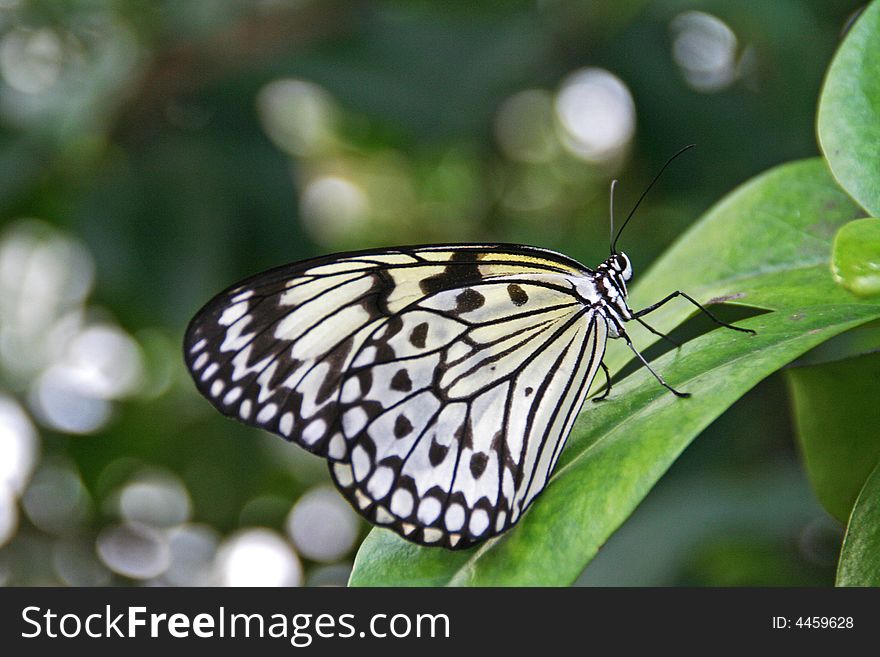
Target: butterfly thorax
x=606, y=290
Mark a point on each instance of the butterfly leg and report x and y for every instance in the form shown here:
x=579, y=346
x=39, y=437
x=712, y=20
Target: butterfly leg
x=676, y=343
x=679, y=293
x=605, y=394
x=650, y=369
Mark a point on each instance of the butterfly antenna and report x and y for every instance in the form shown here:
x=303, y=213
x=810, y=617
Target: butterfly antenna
x=644, y=194
x=611, y=214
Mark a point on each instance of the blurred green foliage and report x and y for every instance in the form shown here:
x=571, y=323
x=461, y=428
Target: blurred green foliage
x=184, y=145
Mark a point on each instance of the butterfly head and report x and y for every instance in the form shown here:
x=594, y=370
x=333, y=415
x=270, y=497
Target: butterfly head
x=615, y=272
x=619, y=263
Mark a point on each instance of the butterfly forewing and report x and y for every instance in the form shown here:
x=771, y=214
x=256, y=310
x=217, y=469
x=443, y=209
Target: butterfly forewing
x=440, y=382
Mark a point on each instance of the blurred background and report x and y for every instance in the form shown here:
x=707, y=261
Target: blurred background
x=154, y=152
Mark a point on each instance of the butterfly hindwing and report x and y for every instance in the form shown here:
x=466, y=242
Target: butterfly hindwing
x=451, y=440
x=439, y=381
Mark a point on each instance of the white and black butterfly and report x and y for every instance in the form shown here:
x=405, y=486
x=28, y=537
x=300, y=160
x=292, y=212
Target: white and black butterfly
x=440, y=382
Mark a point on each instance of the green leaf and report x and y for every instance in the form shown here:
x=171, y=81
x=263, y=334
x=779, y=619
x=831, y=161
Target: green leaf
x=849, y=112
x=835, y=409
x=859, y=563
x=767, y=244
x=855, y=260
x=617, y=451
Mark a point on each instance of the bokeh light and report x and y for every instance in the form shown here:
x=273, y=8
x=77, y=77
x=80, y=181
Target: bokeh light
x=596, y=113
x=257, y=557
x=30, y=60
x=135, y=551
x=56, y=501
x=705, y=49
x=45, y=276
x=77, y=564
x=155, y=498
x=18, y=446
x=298, y=116
x=73, y=366
x=331, y=207
x=322, y=525
x=193, y=548
x=61, y=405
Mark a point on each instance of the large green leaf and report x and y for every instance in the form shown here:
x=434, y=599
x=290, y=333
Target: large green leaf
x=767, y=245
x=838, y=423
x=849, y=112
x=859, y=563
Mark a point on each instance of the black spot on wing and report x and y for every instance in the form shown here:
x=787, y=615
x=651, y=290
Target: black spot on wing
x=478, y=464
x=469, y=300
x=402, y=426
x=437, y=453
x=419, y=335
x=517, y=295
x=401, y=381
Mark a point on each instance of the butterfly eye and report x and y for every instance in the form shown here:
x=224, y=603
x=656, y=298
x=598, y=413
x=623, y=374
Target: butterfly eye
x=622, y=264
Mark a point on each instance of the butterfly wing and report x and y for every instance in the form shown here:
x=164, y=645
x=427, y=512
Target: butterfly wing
x=455, y=417
x=483, y=349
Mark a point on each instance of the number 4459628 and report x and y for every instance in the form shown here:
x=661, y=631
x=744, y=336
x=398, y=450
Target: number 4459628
x=824, y=622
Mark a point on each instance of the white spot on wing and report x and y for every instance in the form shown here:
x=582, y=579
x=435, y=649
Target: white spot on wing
x=354, y=420
x=232, y=395
x=362, y=500
x=360, y=463
x=479, y=522
x=209, y=371
x=343, y=474
x=382, y=516
x=380, y=482
x=314, y=431
x=267, y=413
x=336, y=449
x=429, y=509
x=233, y=313
x=432, y=535
x=286, y=423
x=235, y=339
x=351, y=390
x=247, y=294
x=454, y=517
x=402, y=503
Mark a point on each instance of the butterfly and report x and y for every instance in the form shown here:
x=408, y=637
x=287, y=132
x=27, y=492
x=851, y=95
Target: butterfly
x=440, y=382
